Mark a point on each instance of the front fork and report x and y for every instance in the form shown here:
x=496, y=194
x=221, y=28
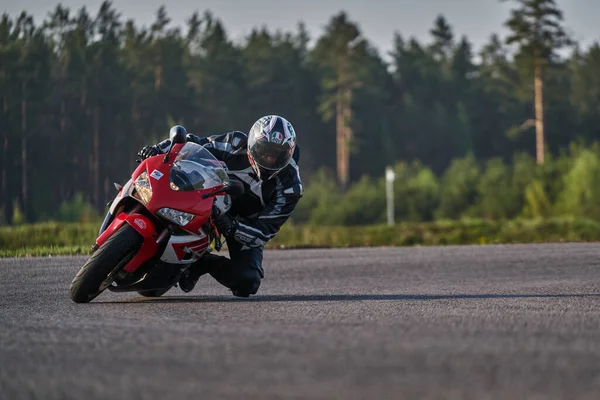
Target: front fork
x=105, y=223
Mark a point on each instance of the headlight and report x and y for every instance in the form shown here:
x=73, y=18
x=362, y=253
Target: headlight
x=142, y=186
x=179, y=217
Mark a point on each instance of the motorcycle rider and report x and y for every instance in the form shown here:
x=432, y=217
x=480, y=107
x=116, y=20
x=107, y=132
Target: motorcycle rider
x=266, y=162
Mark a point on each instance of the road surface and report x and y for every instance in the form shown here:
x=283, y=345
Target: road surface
x=478, y=322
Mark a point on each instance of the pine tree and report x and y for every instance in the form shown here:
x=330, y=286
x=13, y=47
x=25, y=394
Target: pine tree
x=336, y=52
x=536, y=27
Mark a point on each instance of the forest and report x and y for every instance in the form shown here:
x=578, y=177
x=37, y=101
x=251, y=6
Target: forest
x=468, y=133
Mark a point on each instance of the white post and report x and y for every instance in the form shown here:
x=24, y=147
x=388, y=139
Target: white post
x=389, y=189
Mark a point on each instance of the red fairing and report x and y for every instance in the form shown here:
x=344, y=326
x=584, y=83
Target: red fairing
x=144, y=227
x=163, y=196
x=197, y=246
x=149, y=248
x=112, y=228
x=142, y=167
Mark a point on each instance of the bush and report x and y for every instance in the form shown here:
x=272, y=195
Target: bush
x=18, y=216
x=416, y=191
x=581, y=194
x=458, y=188
x=537, y=204
x=494, y=191
x=77, y=210
x=567, y=185
x=363, y=204
x=523, y=173
x=321, y=194
x=324, y=203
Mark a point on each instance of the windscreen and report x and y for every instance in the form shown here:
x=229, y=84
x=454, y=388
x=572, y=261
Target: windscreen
x=195, y=168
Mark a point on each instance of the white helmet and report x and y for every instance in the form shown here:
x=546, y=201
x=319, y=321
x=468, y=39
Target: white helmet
x=271, y=144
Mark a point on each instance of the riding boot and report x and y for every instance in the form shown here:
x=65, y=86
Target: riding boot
x=206, y=264
x=241, y=275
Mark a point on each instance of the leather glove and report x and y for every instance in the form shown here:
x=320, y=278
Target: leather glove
x=226, y=224
x=148, y=151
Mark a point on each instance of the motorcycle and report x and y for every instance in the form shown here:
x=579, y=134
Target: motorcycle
x=159, y=223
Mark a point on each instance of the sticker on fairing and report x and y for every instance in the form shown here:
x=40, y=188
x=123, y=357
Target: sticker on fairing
x=140, y=222
x=156, y=174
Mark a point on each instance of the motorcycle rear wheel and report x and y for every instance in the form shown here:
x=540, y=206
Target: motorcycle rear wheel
x=99, y=271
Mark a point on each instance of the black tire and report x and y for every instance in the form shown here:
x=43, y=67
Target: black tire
x=104, y=263
x=153, y=293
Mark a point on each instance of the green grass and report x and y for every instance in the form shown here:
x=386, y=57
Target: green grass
x=68, y=238
x=441, y=233
x=43, y=251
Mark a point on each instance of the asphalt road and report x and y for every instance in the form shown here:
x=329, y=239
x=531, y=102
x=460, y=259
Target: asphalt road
x=491, y=322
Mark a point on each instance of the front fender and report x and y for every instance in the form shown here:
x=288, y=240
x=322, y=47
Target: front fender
x=144, y=226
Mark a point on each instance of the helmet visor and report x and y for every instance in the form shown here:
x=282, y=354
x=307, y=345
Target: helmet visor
x=271, y=156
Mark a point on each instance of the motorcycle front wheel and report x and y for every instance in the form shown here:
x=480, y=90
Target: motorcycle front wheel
x=99, y=271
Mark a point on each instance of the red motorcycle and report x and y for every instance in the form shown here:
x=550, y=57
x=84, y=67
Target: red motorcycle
x=159, y=223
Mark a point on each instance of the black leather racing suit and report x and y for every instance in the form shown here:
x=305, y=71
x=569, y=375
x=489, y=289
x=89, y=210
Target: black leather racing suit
x=260, y=212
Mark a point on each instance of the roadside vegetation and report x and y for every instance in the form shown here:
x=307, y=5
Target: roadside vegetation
x=54, y=238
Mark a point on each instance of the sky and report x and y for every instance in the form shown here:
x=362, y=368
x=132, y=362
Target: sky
x=377, y=19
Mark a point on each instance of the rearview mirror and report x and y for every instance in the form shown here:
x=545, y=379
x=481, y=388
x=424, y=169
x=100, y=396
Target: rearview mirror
x=178, y=134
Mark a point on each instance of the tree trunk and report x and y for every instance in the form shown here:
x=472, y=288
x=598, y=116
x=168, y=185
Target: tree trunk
x=344, y=134
x=3, y=186
x=347, y=115
x=71, y=171
x=96, y=158
x=6, y=188
x=157, y=77
x=24, y=183
x=6, y=197
x=135, y=122
x=107, y=192
x=539, y=113
x=341, y=149
x=63, y=117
